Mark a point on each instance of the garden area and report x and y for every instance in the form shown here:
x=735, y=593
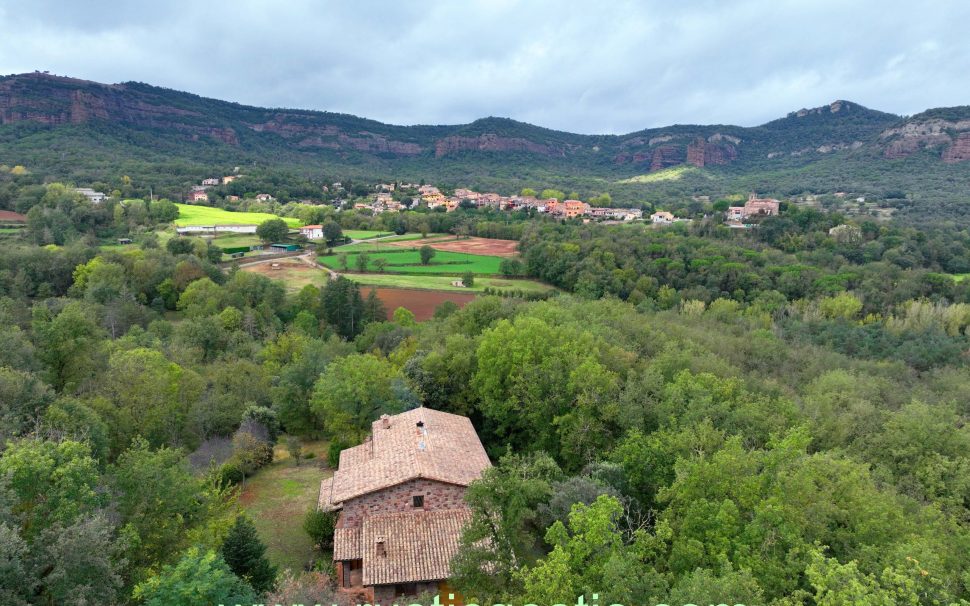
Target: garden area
x=277, y=498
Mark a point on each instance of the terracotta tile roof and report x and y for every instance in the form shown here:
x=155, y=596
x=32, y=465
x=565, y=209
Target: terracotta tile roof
x=419, y=443
x=418, y=546
x=346, y=544
x=326, y=489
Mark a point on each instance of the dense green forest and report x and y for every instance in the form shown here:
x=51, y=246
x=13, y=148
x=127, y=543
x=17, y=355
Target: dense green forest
x=702, y=415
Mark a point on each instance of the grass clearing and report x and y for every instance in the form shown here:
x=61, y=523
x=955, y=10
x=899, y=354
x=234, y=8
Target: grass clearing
x=294, y=274
x=960, y=277
x=235, y=240
x=444, y=283
x=409, y=262
x=163, y=235
x=278, y=496
x=675, y=173
x=190, y=214
x=364, y=234
x=382, y=244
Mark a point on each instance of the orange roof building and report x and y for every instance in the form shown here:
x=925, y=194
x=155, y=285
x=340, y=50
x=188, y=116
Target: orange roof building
x=400, y=497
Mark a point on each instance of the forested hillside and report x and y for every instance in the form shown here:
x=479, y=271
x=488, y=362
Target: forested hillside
x=86, y=132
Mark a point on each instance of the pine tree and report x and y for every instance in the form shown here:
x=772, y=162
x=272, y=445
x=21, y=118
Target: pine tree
x=246, y=556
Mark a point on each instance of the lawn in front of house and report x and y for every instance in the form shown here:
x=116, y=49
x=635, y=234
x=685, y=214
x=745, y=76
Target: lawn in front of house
x=277, y=498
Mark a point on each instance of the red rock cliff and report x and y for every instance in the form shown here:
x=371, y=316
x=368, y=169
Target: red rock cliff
x=959, y=150
x=492, y=143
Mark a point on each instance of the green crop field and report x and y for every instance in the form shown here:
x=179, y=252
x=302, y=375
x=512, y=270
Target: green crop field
x=190, y=214
x=234, y=240
x=444, y=283
x=363, y=234
x=382, y=244
x=409, y=262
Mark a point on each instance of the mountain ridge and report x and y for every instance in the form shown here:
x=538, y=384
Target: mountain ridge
x=93, y=123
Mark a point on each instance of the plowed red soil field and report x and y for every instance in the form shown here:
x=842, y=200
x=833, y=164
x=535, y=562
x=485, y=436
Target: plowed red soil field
x=422, y=303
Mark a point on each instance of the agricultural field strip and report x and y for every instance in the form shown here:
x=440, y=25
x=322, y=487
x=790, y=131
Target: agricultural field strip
x=409, y=261
x=190, y=214
x=426, y=282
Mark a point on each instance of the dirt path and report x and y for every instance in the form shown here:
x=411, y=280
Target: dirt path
x=308, y=258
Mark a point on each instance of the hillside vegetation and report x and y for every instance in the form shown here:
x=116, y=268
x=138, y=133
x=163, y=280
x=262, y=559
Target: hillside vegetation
x=839, y=147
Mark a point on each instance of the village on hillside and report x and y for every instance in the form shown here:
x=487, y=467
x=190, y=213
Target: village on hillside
x=431, y=197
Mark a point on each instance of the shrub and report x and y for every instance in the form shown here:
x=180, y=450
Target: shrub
x=333, y=452
x=319, y=525
x=229, y=474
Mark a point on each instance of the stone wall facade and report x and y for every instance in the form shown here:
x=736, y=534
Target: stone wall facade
x=387, y=595
x=437, y=496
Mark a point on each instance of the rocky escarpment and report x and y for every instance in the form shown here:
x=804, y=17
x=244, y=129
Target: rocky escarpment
x=53, y=101
x=959, y=150
x=174, y=117
x=666, y=156
x=305, y=134
x=665, y=151
x=951, y=136
x=703, y=153
x=489, y=142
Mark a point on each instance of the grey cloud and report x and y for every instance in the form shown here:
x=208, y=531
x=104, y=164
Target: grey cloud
x=593, y=67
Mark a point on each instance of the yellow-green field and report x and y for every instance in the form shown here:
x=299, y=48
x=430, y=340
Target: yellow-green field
x=675, y=173
x=190, y=214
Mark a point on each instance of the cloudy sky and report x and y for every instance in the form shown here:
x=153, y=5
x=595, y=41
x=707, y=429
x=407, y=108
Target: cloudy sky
x=598, y=66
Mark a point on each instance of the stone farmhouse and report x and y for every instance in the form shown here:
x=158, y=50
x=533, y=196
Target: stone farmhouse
x=754, y=207
x=400, y=497
x=662, y=216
